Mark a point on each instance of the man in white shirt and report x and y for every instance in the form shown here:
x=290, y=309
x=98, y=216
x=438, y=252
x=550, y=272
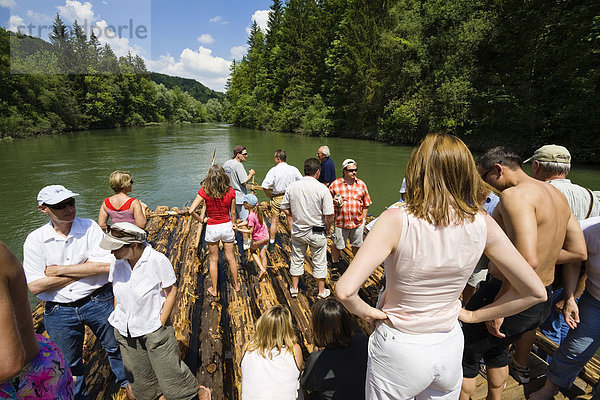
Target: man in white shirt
x=310, y=205
x=238, y=179
x=276, y=182
x=65, y=266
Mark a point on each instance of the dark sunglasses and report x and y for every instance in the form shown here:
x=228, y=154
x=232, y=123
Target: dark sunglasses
x=484, y=176
x=63, y=204
x=120, y=233
x=131, y=182
x=352, y=170
x=244, y=154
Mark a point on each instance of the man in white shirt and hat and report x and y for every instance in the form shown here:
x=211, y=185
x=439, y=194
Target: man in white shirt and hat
x=65, y=266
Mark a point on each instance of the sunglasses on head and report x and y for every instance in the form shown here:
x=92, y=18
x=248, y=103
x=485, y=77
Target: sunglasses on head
x=63, y=204
x=120, y=233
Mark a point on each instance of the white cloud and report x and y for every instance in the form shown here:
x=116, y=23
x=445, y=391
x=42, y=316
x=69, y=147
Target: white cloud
x=200, y=65
x=38, y=17
x=206, y=38
x=74, y=10
x=120, y=45
x=261, y=17
x=7, y=3
x=217, y=20
x=14, y=22
x=237, y=52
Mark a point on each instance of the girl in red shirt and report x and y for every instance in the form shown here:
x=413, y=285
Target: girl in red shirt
x=219, y=198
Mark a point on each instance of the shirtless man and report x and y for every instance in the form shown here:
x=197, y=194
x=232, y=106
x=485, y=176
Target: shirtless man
x=30, y=362
x=538, y=220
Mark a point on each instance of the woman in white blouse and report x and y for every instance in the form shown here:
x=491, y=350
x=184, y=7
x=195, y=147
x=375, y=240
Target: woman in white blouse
x=144, y=288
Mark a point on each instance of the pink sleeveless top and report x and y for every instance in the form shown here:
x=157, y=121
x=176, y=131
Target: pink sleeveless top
x=122, y=214
x=428, y=271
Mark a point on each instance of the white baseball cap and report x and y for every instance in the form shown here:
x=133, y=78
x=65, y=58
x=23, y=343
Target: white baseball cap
x=347, y=162
x=54, y=194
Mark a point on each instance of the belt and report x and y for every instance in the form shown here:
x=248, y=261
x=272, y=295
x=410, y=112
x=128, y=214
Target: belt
x=80, y=302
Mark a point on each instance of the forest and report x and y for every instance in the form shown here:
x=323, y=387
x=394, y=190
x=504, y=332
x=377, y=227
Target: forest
x=524, y=73
x=74, y=83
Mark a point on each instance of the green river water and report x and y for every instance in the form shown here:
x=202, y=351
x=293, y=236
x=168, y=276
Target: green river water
x=168, y=163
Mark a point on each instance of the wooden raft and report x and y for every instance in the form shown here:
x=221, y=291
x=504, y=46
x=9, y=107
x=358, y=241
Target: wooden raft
x=211, y=331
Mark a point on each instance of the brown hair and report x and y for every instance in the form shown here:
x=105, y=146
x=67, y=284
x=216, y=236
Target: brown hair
x=499, y=155
x=273, y=330
x=331, y=324
x=216, y=183
x=119, y=180
x=311, y=166
x=442, y=183
x=258, y=211
x=281, y=155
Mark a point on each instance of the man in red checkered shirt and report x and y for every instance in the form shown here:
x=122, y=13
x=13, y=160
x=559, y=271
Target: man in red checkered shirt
x=351, y=202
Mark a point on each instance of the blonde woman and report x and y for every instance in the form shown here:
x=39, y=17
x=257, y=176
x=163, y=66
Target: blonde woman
x=120, y=207
x=219, y=198
x=430, y=247
x=272, y=359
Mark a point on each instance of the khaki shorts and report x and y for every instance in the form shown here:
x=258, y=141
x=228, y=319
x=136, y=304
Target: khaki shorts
x=153, y=367
x=275, y=204
x=340, y=235
x=317, y=242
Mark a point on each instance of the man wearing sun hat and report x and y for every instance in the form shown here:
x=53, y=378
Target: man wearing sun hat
x=552, y=163
x=65, y=266
x=351, y=201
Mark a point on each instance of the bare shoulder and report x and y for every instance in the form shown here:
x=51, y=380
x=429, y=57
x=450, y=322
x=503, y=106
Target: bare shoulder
x=393, y=215
x=9, y=265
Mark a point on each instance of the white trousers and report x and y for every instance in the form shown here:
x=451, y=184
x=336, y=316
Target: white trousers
x=414, y=366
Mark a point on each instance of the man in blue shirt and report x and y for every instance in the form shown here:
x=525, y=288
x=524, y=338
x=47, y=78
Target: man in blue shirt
x=327, y=166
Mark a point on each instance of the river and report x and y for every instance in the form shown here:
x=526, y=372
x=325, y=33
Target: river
x=168, y=163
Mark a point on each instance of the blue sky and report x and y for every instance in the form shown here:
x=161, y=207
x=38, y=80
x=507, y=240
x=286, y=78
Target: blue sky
x=193, y=39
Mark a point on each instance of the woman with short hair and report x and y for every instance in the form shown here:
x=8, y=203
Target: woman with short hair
x=120, y=207
x=219, y=197
x=430, y=246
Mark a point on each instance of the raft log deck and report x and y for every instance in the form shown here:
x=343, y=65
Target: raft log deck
x=211, y=331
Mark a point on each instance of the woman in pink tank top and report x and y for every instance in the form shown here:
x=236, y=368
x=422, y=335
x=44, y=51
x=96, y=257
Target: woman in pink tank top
x=120, y=207
x=430, y=247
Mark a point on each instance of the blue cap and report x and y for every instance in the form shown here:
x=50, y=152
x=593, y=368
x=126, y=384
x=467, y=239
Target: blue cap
x=250, y=199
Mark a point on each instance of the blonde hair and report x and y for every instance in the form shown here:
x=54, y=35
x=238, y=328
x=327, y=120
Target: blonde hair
x=119, y=180
x=442, y=183
x=273, y=330
x=216, y=183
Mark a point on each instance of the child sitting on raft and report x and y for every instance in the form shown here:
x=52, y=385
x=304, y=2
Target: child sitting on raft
x=259, y=232
x=272, y=359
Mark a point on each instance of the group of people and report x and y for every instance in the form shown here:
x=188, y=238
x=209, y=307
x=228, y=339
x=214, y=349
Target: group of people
x=429, y=245
x=315, y=204
x=108, y=279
